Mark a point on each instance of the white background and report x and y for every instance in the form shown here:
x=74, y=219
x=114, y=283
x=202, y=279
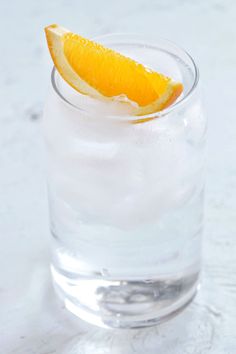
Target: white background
x=31, y=321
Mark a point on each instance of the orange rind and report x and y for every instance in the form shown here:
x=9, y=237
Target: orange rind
x=102, y=73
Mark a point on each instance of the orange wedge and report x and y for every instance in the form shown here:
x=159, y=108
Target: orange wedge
x=100, y=72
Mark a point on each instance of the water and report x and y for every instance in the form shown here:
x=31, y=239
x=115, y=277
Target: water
x=126, y=203
x=167, y=246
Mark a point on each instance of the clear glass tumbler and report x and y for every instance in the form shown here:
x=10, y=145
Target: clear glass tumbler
x=126, y=196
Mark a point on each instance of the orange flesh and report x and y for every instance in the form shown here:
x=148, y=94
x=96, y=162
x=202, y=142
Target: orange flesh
x=122, y=75
x=93, y=69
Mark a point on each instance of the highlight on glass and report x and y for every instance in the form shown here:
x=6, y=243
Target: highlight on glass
x=125, y=136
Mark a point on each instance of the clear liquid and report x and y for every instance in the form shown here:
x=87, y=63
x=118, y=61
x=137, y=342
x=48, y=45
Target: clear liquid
x=126, y=204
x=169, y=247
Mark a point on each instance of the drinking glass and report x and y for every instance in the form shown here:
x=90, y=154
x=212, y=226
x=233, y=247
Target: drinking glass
x=126, y=195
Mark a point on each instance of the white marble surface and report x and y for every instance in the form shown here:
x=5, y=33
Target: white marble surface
x=31, y=321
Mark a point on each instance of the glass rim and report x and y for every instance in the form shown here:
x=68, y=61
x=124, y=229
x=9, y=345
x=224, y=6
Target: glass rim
x=144, y=117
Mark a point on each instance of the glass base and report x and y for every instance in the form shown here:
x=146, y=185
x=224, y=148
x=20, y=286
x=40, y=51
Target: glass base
x=125, y=304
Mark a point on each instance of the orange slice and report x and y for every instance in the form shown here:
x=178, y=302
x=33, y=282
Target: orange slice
x=100, y=72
